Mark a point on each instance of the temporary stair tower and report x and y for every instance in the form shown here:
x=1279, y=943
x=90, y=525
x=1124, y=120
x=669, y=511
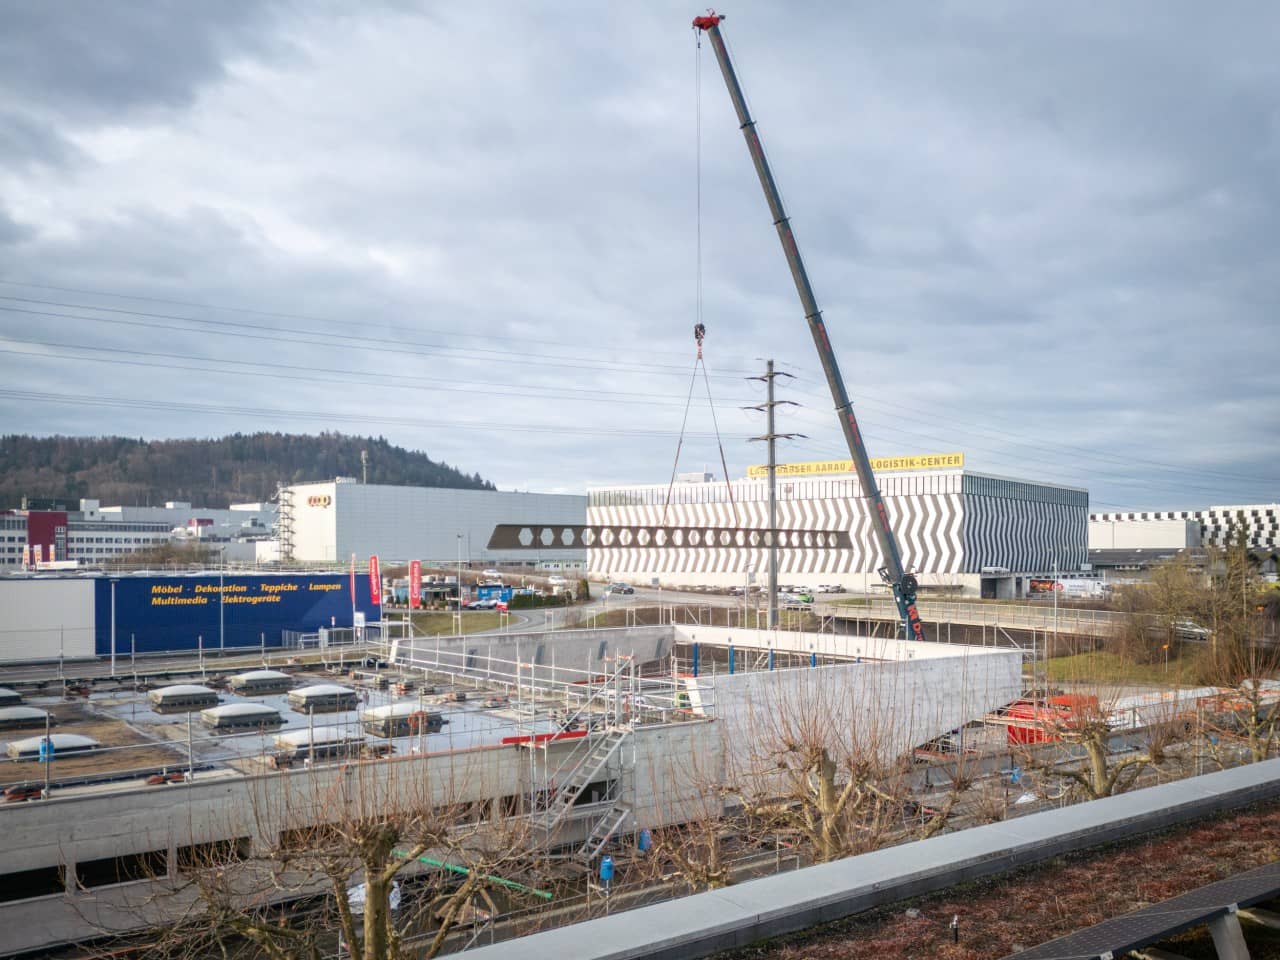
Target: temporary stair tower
x=590, y=760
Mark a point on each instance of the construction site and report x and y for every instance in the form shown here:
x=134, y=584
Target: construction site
x=589, y=738
x=388, y=793
x=567, y=773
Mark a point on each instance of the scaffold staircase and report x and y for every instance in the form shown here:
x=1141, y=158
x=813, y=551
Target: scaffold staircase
x=604, y=831
x=599, y=753
x=284, y=521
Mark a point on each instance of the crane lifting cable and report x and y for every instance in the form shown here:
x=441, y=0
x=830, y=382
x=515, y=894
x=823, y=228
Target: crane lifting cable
x=699, y=334
x=699, y=328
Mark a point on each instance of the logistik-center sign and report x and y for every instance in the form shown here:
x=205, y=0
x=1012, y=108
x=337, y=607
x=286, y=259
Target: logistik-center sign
x=813, y=468
x=320, y=500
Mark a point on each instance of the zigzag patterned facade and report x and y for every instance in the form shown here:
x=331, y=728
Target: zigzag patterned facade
x=949, y=524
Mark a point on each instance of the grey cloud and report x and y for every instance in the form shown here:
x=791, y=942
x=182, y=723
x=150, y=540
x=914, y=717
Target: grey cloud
x=1027, y=228
x=24, y=141
x=103, y=61
x=12, y=232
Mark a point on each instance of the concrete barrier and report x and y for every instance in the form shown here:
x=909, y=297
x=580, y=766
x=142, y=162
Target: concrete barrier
x=705, y=923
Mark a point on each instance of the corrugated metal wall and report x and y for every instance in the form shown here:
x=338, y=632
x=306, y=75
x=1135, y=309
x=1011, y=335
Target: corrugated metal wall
x=39, y=618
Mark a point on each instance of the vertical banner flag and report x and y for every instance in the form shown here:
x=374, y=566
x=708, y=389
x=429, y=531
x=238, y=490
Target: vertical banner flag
x=26, y=555
x=39, y=553
x=415, y=584
x=375, y=581
x=353, y=581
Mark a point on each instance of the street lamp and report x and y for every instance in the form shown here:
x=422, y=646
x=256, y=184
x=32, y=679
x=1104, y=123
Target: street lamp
x=222, y=566
x=458, y=614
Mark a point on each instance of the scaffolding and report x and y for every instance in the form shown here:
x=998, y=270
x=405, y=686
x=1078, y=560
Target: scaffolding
x=284, y=522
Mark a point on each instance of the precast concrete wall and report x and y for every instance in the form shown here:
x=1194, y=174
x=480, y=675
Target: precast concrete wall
x=107, y=822
x=46, y=619
x=677, y=775
x=214, y=807
x=908, y=694
x=492, y=654
x=834, y=645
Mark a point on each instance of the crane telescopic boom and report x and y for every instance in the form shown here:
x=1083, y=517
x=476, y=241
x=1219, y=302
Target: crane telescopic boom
x=902, y=583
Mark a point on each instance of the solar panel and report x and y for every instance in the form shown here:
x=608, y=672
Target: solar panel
x=1160, y=920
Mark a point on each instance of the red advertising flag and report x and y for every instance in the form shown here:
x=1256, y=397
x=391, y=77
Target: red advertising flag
x=353, y=581
x=375, y=581
x=415, y=584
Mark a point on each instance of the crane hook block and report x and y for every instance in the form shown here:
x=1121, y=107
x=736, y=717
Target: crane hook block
x=712, y=19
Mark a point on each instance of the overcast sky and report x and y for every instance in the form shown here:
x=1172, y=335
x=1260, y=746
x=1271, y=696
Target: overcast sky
x=1047, y=236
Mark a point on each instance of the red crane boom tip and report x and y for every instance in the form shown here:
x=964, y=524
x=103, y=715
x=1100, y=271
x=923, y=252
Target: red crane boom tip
x=712, y=19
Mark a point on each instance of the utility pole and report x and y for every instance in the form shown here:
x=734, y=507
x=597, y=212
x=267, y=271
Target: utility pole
x=364, y=468
x=771, y=437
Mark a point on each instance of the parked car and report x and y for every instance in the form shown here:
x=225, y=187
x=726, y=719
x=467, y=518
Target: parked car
x=488, y=603
x=1190, y=630
x=556, y=580
x=21, y=791
x=623, y=588
x=491, y=573
x=830, y=588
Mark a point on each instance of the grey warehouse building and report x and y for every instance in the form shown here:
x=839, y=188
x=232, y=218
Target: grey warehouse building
x=327, y=522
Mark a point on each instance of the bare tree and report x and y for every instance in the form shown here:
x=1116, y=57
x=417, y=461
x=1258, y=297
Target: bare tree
x=829, y=760
x=1090, y=728
x=338, y=876
x=1248, y=710
x=1239, y=658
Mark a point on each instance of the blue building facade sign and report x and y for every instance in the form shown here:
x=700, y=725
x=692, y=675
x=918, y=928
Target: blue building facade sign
x=154, y=614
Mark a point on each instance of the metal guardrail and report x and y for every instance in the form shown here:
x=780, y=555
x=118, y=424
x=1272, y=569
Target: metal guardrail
x=995, y=615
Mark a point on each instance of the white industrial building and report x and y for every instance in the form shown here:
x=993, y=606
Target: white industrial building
x=1179, y=529
x=330, y=521
x=959, y=531
x=94, y=534
x=240, y=520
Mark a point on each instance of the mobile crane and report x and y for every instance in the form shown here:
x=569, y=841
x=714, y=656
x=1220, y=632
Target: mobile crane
x=902, y=583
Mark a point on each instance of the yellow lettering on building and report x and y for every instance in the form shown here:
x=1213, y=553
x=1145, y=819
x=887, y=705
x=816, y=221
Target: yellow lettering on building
x=814, y=468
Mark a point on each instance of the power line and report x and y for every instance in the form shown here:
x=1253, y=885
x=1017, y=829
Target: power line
x=282, y=315
x=505, y=427
x=251, y=331
x=1035, y=443
x=244, y=330
x=332, y=375
x=1092, y=475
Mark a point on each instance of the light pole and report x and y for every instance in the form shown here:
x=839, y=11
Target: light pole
x=222, y=565
x=458, y=614
x=113, y=628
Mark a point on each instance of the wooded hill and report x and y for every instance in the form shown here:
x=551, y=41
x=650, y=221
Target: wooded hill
x=209, y=473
